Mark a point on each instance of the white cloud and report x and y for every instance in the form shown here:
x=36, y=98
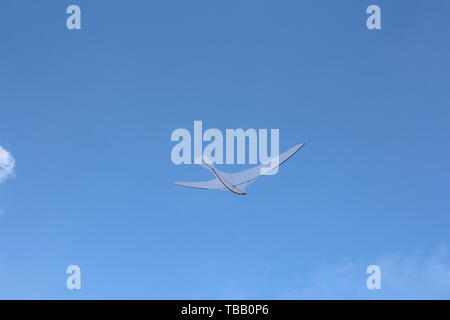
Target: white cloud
x=7, y=164
x=421, y=274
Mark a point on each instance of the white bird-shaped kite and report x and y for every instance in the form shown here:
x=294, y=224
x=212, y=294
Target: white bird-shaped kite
x=239, y=181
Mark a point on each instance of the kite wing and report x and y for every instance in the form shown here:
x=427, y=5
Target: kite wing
x=244, y=178
x=210, y=185
x=222, y=181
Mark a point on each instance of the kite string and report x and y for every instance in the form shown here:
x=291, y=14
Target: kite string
x=235, y=231
x=235, y=244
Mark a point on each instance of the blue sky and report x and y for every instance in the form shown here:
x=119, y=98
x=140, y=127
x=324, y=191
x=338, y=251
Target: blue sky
x=88, y=114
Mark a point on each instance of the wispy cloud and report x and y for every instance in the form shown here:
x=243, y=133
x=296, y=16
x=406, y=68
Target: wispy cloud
x=420, y=274
x=7, y=165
